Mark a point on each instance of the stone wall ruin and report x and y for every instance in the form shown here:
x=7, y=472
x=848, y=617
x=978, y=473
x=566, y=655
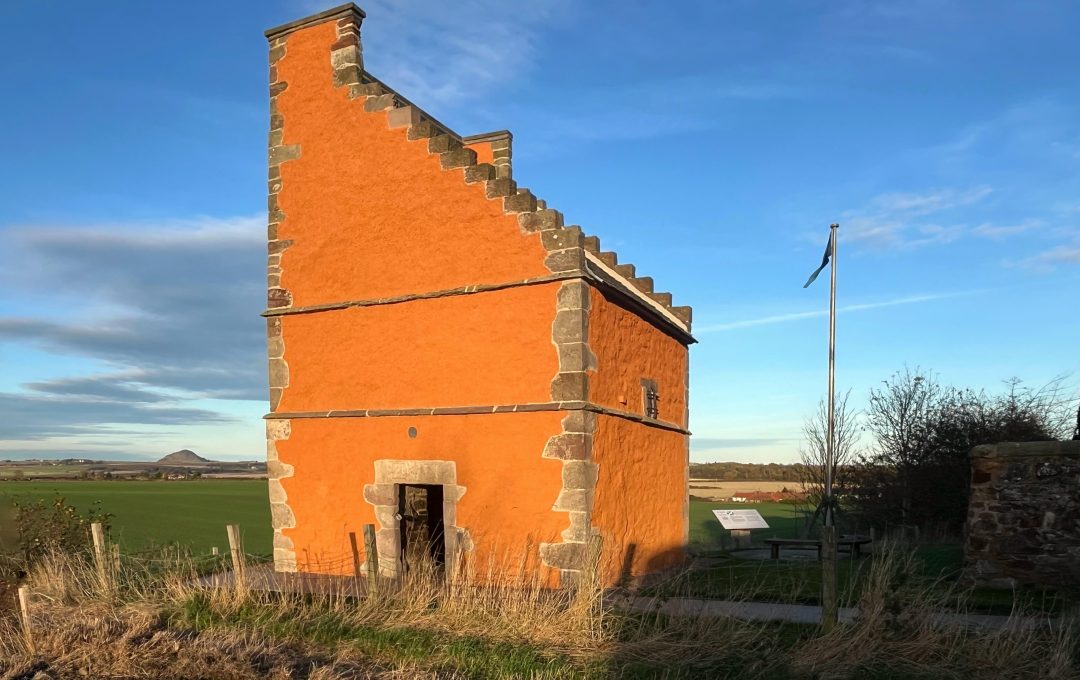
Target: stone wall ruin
x=1024, y=515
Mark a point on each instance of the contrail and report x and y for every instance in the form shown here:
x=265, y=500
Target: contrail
x=797, y=316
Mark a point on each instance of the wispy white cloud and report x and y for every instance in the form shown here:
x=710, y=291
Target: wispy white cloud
x=170, y=309
x=1052, y=258
x=800, y=316
x=445, y=53
x=1042, y=128
x=648, y=109
x=1001, y=231
x=915, y=204
x=915, y=220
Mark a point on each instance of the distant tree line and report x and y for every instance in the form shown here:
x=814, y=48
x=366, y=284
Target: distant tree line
x=748, y=472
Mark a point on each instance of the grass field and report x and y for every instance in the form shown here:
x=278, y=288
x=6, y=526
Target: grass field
x=152, y=513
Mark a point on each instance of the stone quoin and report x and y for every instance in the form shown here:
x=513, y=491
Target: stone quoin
x=447, y=360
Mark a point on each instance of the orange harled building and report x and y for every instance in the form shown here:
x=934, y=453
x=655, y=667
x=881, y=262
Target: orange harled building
x=447, y=360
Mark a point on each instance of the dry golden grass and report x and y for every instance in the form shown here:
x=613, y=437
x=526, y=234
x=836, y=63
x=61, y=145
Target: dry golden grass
x=132, y=642
x=142, y=623
x=900, y=629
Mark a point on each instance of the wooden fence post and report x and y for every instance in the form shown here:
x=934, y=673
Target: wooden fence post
x=24, y=614
x=371, y=554
x=98, y=534
x=236, y=550
x=829, y=603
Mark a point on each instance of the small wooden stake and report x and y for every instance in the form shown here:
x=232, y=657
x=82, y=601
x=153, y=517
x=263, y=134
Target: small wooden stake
x=371, y=554
x=115, y=554
x=236, y=550
x=214, y=551
x=355, y=555
x=24, y=613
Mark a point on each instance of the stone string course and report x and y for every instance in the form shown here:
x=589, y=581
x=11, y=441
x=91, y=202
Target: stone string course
x=475, y=410
x=1024, y=515
x=447, y=292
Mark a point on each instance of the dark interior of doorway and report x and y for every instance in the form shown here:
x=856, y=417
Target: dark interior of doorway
x=420, y=509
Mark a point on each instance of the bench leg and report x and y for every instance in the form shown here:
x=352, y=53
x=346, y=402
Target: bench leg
x=775, y=551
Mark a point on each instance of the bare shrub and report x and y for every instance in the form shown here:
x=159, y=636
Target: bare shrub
x=46, y=525
x=814, y=453
x=917, y=470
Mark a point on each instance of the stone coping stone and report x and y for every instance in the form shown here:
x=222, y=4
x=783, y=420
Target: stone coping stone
x=1025, y=449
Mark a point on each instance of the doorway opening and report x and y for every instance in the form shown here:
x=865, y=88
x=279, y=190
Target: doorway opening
x=421, y=527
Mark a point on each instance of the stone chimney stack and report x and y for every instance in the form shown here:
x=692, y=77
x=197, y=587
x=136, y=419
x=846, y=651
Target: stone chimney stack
x=347, y=55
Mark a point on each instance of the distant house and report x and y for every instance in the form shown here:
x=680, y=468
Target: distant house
x=764, y=496
x=447, y=360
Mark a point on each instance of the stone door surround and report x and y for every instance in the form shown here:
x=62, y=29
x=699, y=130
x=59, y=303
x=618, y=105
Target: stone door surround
x=383, y=496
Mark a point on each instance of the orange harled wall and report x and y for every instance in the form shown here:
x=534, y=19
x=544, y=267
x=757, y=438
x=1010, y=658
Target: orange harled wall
x=372, y=226
x=372, y=215
x=629, y=348
x=641, y=497
x=443, y=352
x=504, y=508
x=641, y=490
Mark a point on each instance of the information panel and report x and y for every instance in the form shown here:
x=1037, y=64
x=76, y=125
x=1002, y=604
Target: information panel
x=741, y=519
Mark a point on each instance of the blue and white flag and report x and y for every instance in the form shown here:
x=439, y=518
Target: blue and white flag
x=824, y=260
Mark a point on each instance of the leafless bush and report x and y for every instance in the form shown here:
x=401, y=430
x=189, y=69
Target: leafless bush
x=917, y=469
x=814, y=453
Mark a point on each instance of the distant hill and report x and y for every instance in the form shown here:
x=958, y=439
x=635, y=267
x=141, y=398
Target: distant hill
x=183, y=457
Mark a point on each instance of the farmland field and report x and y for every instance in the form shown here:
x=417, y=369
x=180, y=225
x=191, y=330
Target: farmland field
x=148, y=513
x=722, y=490
x=195, y=512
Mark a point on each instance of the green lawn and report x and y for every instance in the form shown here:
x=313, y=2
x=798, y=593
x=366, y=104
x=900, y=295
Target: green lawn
x=706, y=534
x=799, y=582
x=151, y=513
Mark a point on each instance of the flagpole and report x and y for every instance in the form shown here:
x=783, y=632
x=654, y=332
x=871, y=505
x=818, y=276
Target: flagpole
x=830, y=608
x=830, y=452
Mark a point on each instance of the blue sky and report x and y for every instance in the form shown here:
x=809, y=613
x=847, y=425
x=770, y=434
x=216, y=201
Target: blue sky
x=709, y=143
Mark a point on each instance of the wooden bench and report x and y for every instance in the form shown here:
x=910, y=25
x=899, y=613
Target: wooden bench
x=853, y=543
x=775, y=544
